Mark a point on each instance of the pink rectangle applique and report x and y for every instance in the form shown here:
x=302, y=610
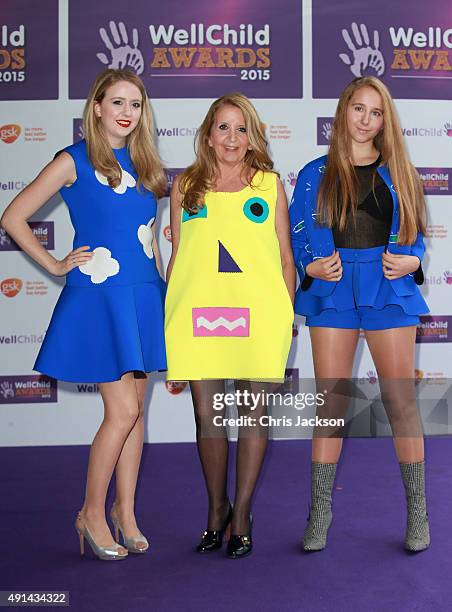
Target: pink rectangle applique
x=221, y=321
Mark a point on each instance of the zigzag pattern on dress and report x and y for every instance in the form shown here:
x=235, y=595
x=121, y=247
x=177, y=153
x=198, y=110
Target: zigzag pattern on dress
x=221, y=321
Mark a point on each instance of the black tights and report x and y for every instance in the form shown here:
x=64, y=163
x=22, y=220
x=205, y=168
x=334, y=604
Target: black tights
x=213, y=450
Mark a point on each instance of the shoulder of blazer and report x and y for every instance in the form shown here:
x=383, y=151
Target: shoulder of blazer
x=314, y=167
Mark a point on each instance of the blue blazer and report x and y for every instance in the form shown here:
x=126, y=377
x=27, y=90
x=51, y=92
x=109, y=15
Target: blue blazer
x=311, y=240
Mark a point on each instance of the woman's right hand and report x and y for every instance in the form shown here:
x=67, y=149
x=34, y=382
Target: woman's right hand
x=326, y=268
x=74, y=259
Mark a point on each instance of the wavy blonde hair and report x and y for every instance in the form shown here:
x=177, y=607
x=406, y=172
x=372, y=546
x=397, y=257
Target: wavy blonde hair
x=140, y=142
x=337, y=197
x=199, y=178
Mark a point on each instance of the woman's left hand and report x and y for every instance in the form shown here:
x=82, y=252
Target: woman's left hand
x=396, y=266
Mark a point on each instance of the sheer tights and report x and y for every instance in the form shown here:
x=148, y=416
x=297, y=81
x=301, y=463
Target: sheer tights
x=213, y=449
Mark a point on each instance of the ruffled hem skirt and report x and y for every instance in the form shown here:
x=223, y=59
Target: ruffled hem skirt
x=363, y=284
x=96, y=334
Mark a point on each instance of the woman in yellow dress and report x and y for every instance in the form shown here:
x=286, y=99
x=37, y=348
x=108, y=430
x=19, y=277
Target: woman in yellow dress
x=229, y=305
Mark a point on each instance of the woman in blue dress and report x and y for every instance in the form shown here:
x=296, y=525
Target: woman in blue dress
x=107, y=326
x=357, y=223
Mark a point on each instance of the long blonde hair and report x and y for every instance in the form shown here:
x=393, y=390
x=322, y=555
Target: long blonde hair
x=199, y=178
x=140, y=142
x=338, y=193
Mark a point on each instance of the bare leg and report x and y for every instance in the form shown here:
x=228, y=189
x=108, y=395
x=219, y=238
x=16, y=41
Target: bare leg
x=393, y=354
x=333, y=352
x=128, y=466
x=120, y=414
x=213, y=448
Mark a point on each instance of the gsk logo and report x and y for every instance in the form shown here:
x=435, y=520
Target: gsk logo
x=10, y=132
x=10, y=287
x=167, y=233
x=418, y=376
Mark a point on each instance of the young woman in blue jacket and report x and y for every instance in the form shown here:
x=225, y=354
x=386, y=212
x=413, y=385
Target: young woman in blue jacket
x=357, y=224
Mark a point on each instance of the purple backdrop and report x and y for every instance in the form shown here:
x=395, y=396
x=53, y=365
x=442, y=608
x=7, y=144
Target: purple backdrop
x=408, y=45
x=43, y=230
x=114, y=35
x=29, y=50
x=437, y=181
x=435, y=328
x=324, y=127
x=28, y=389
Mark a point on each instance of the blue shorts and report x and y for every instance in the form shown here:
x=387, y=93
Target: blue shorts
x=357, y=276
x=363, y=317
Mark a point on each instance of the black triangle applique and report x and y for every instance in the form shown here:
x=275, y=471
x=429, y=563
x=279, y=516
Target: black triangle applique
x=226, y=262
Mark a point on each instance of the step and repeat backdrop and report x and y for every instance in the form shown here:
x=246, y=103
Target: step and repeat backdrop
x=293, y=58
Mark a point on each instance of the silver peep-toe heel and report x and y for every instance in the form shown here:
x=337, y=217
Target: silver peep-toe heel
x=105, y=553
x=132, y=544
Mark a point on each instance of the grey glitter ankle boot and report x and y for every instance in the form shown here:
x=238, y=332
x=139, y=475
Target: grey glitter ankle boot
x=417, y=528
x=320, y=516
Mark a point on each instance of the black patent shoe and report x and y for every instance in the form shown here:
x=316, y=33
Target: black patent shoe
x=212, y=539
x=240, y=545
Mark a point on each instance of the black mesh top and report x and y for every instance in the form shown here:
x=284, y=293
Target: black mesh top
x=372, y=223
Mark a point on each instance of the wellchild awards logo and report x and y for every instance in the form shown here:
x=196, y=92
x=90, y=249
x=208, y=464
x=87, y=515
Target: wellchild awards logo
x=436, y=181
x=195, y=52
x=44, y=231
x=434, y=328
x=324, y=130
x=175, y=48
x=119, y=51
x=411, y=51
x=29, y=50
x=12, y=54
x=363, y=53
x=27, y=389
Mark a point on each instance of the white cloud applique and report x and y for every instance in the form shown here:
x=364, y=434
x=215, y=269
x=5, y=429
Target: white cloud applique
x=146, y=237
x=101, y=266
x=127, y=180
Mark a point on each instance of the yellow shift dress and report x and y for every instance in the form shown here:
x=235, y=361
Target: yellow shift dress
x=228, y=313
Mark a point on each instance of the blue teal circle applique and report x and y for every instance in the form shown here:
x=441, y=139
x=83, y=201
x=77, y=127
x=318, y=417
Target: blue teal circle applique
x=256, y=210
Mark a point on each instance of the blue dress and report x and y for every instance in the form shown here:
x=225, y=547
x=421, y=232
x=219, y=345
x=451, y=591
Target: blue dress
x=109, y=317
